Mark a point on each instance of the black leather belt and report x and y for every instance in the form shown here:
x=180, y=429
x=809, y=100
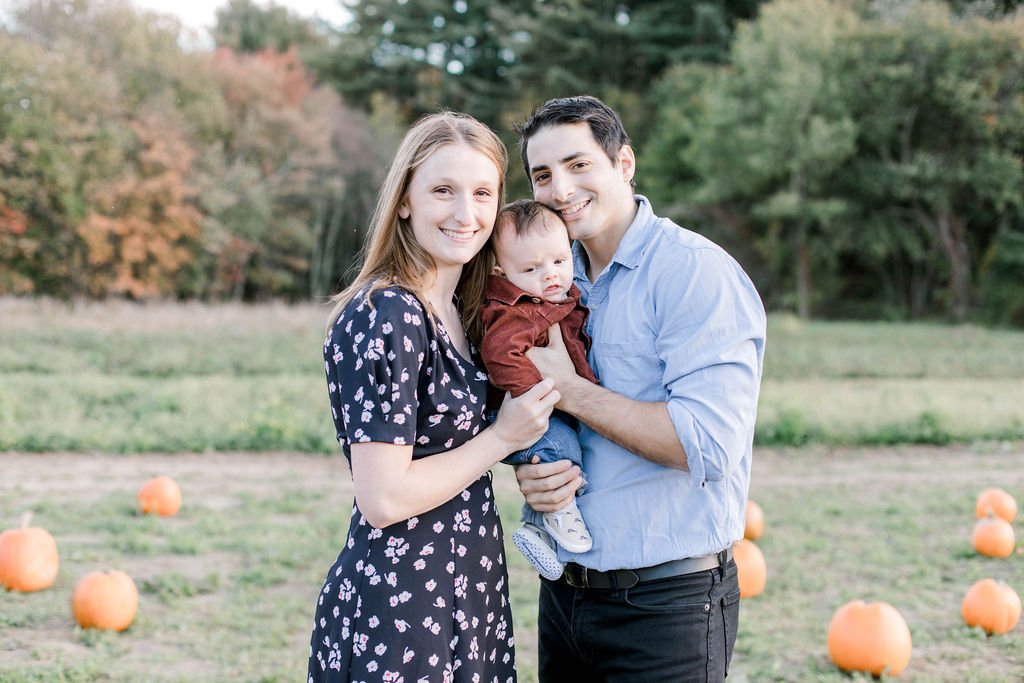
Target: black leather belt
x=579, y=576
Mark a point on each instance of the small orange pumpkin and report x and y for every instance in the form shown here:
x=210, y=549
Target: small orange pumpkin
x=993, y=536
x=751, y=568
x=992, y=605
x=160, y=495
x=869, y=636
x=755, y=521
x=105, y=600
x=996, y=502
x=28, y=558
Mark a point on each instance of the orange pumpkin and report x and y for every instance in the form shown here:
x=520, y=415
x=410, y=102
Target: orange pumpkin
x=161, y=496
x=992, y=605
x=755, y=521
x=28, y=558
x=996, y=502
x=105, y=600
x=993, y=536
x=869, y=636
x=751, y=568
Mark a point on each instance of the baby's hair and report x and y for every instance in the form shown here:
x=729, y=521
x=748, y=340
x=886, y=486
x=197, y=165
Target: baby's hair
x=522, y=215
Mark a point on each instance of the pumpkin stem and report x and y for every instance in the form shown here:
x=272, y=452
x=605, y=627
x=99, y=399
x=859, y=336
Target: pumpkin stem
x=26, y=518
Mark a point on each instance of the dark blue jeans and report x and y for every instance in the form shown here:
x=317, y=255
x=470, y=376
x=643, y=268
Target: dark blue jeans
x=677, y=629
x=559, y=442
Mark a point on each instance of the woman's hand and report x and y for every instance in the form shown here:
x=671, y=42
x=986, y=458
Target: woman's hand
x=523, y=420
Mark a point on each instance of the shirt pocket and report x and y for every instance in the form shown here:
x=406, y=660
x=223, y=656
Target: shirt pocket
x=631, y=368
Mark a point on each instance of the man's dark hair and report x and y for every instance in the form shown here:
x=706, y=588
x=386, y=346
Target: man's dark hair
x=522, y=217
x=605, y=125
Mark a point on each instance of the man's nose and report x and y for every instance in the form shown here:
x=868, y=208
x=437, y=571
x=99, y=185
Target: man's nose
x=561, y=187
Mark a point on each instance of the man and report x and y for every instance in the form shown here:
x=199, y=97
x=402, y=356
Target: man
x=678, y=343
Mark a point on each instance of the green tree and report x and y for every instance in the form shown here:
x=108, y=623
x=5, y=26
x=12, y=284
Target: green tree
x=575, y=46
x=939, y=150
x=60, y=136
x=422, y=55
x=774, y=131
x=245, y=26
x=487, y=58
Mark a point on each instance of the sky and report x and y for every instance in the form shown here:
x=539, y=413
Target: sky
x=201, y=14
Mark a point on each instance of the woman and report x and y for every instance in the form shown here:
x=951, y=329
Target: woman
x=420, y=590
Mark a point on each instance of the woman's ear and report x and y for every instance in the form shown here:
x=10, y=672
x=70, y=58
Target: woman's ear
x=403, y=210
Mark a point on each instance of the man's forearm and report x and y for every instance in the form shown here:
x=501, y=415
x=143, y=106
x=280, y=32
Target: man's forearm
x=640, y=427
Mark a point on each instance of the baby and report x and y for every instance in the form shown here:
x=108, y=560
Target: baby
x=530, y=290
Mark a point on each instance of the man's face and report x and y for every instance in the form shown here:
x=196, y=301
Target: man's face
x=571, y=173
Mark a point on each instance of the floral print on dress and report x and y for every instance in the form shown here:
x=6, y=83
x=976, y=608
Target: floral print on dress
x=425, y=599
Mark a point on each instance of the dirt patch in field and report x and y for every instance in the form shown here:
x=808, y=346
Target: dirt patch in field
x=217, y=478
x=888, y=468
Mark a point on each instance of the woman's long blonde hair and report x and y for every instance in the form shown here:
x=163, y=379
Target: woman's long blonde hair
x=391, y=255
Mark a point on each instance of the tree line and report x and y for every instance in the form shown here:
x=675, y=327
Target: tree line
x=861, y=159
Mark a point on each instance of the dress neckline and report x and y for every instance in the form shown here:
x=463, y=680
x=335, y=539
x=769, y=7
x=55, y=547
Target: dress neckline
x=471, y=361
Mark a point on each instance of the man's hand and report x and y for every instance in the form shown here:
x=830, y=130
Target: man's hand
x=553, y=361
x=550, y=486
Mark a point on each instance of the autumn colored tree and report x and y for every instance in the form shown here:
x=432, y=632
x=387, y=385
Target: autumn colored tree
x=59, y=135
x=266, y=180
x=142, y=227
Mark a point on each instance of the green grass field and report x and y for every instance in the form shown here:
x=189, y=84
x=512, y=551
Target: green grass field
x=227, y=587
x=124, y=378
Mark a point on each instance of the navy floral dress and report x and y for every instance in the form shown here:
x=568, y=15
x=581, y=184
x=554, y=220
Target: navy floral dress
x=425, y=599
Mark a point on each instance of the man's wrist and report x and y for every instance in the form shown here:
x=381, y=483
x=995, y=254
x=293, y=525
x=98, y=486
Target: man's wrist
x=572, y=394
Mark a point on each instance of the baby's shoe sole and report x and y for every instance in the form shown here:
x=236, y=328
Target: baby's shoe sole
x=539, y=554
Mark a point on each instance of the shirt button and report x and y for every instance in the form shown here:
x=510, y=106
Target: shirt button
x=707, y=606
x=536, y=300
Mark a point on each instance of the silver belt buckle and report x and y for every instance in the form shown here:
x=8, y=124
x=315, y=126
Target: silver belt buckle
x=583, y=578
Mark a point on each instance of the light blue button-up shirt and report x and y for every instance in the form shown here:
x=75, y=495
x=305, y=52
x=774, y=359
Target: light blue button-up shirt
x=673, y=318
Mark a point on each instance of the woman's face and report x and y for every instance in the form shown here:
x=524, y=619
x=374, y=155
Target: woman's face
x=452, y=202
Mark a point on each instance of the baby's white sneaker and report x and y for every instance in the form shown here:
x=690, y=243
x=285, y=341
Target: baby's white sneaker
x=539, y=550
x=568, y=529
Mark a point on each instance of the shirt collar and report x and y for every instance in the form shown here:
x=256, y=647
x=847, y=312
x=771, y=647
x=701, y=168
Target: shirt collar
x=630, y=249
x=502, y=290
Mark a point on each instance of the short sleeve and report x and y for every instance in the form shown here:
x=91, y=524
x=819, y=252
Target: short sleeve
x=377, y=352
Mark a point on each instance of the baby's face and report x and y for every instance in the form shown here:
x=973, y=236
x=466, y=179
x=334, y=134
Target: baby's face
x=539, y=262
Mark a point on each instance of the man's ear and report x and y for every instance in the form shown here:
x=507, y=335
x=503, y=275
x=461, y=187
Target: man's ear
x=497, y=270
x=627, y=163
